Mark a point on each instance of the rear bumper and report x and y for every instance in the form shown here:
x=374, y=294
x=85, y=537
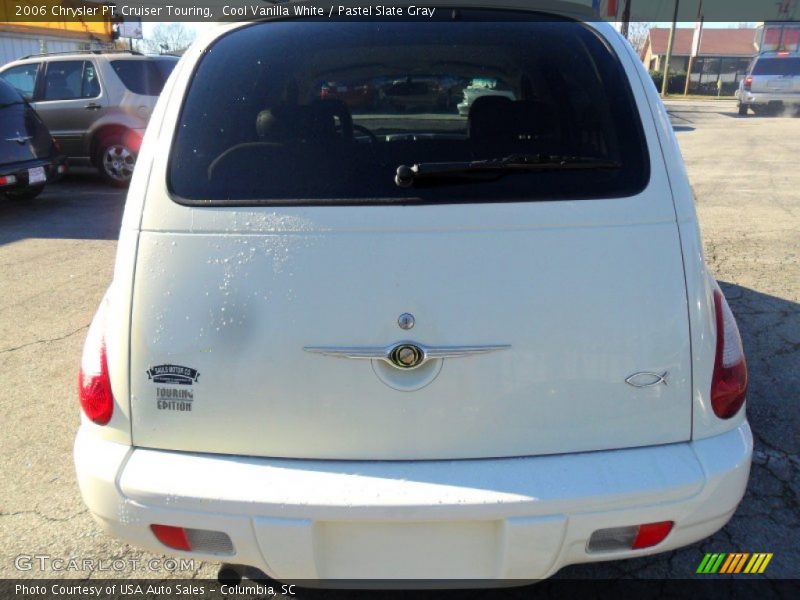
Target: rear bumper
x=54, y=169
x=765, y=98
x=519, y=518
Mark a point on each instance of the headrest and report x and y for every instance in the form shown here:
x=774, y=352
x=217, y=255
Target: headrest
x=499, y=119
x=312, y=122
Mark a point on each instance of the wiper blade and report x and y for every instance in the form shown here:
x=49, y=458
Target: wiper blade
x=495, y=168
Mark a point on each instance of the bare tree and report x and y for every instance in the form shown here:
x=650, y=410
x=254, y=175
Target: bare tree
x=637, y=35
x=172, y=38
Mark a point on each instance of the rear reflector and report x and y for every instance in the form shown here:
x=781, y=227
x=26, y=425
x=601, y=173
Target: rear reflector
x=651, y=534
x=171, y=537
x=632, y=537
x=8, y=180
x=729, y=380
x=193, y=540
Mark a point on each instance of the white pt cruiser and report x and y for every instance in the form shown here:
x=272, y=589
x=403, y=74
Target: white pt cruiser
x=348, y=338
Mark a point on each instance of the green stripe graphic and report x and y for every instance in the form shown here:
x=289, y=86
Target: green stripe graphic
x=711, y=563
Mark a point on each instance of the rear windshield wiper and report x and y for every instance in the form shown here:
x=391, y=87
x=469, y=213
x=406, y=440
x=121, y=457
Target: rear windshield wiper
x=494, y=168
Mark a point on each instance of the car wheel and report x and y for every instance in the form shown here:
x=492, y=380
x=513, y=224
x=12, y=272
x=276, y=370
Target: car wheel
x=743, y=110
x=26, y=194
x=116, y=160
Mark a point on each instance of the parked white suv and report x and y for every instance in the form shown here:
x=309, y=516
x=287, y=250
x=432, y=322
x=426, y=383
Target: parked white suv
x=412, y=345
x=772, y=84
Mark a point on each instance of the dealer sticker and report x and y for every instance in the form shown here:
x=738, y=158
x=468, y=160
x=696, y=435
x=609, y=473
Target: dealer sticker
x=175, y=390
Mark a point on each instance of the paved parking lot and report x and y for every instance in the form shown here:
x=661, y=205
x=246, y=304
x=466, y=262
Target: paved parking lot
x=56, y=258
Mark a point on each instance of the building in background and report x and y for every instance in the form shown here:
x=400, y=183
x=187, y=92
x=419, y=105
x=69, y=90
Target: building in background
x=18, y=38
x=724, y=55
x=777, y=36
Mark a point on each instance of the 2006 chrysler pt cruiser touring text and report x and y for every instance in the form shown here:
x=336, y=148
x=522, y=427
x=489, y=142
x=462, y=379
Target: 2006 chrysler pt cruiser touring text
x=384, y=286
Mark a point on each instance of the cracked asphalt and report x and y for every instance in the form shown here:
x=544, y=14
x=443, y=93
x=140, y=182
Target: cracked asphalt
x=56, y=259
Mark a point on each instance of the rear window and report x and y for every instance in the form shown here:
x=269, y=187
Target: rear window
x=8, y=95
x=146, y=77
x=308, y=112
x=777, y=66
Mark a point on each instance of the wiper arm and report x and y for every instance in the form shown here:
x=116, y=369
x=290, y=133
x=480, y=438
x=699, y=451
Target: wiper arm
x=495, y=168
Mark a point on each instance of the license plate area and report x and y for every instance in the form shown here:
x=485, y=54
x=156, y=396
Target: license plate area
x=36, y=175
x=426, y=550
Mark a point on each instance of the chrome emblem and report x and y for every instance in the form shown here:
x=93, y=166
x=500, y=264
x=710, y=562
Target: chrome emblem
x=406, y=321
x=406, y=356
x=403, y=355
x=646, y=379
x=20, y=139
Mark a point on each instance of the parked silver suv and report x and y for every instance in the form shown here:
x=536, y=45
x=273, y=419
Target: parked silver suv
x=95, y=104
x=772, y=84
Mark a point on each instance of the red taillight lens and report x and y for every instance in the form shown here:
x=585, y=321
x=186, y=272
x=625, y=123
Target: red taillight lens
x=729, y=381
x=94, y=384
x=630, y=537
x=748, y=83
x=651, y=534
x=172, y=537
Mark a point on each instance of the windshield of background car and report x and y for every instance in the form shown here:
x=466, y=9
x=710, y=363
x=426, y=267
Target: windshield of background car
x=146, y=77
x=308, y=112
x=777, y=66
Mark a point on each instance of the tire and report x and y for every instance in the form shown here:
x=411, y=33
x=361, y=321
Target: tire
x=26, y=194
x=115, y=159
x=742, y=110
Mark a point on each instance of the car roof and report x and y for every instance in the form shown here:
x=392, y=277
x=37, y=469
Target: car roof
x=79, y=54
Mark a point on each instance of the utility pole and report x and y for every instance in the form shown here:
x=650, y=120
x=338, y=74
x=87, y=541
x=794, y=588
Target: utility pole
x=698, y=32
x=626, y=18
x=665, y=82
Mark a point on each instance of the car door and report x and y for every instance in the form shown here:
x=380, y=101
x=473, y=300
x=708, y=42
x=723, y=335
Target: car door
x=69, y=99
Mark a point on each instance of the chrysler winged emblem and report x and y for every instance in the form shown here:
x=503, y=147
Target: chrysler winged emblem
x=20, y=139
x=404, y=355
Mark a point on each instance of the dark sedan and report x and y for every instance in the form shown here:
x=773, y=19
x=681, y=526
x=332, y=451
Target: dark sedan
x=29, y=157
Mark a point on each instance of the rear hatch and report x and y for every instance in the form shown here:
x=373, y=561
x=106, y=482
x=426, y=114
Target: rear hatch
x=779, y=74
x=284, y=230
x=23, y=136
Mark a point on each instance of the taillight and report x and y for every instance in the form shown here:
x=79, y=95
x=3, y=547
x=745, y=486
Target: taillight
x=94, y=384
x=748, y=83
x=729, y=381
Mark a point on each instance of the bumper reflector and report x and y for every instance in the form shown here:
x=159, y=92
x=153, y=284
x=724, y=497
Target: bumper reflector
x=632, y=537
x=193, y=540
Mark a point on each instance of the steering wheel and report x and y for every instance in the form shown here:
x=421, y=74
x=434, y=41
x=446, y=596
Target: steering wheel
x=372, y=137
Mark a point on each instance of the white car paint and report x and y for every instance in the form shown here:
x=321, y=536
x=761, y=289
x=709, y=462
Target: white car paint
x=592, y=453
